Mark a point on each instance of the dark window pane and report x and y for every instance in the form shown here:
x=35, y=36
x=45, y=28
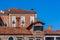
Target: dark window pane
x=13, y=22
x=49, y=38
x=31, y=21
x=57, y=38
x=39, y=28
x=5, y=24
x=22, y=22
x=37, y=39
x=19, y=38
x=11, y=38
x=30, y=39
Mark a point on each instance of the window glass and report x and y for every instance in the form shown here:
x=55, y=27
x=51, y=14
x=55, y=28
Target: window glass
x=30, y=38
x=38, y=28
x=57, y=38
x=37, y=38
x=49, y=38
x=5, y=24
x=19, y=38
x=10, y=38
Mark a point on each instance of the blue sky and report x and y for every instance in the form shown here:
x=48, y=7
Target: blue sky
x=48, y=10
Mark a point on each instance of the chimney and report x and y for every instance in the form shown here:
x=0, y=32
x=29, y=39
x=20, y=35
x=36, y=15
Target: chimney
x=50, y=28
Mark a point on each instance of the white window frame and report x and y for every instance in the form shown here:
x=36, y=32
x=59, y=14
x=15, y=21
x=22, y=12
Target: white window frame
x=31, y=19
x=22, y=19
x=14, y=19
x=51, y=36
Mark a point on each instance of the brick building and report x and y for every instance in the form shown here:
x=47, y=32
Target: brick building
x=17, y=24
x=49, y=34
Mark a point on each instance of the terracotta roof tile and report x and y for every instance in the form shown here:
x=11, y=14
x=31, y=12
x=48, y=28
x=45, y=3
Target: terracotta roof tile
x=51, y=32
x=14, y=30
x=15, y=10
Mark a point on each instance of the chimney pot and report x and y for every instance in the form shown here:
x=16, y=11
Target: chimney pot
x=50, y=27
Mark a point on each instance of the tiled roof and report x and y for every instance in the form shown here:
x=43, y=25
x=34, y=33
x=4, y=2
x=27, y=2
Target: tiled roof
x=31, y=25
x=14, y=30
x=15, y=10
x=50, y=32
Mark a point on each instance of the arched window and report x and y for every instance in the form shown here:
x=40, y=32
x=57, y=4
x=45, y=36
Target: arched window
x=10, y=38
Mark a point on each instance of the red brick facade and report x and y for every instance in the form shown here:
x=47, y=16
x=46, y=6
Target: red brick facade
x=29, y=21
x=10, y=25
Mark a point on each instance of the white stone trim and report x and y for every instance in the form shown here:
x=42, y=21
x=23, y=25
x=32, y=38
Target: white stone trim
x=44, y=38
x=52, y=36
x=55, y=38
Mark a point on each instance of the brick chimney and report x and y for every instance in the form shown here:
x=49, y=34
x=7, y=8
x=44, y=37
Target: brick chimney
x=17, y=19
x=50, y=28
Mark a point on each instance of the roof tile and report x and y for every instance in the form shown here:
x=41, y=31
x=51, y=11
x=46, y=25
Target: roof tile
x=14, y=30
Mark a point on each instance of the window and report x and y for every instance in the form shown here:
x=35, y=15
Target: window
x=30, y=38
x=49, y=38
x=38, y=28
x=22, y=20
x=37, y=38
x=10, y=38
x=5, y=24
x=14, y=21
x=31, y=19
x=19, y=38
x=0, y=38
x=57, y=38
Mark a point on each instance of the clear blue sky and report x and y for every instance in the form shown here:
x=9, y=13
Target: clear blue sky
x=48, y=10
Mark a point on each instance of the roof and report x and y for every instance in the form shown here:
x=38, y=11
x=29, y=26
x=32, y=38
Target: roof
x=14, y=31
x=18, y=11
x=50, y=32
x=31, y=25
